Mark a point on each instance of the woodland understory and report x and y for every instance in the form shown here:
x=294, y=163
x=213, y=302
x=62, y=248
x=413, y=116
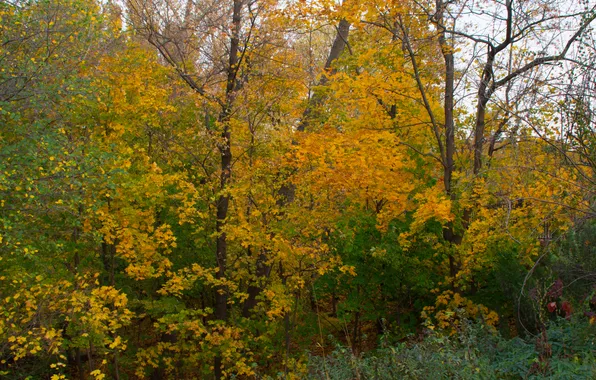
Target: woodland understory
x=263, y=189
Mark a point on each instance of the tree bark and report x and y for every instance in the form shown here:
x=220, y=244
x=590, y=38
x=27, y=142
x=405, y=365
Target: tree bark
x=225, y=149
x=449, y=232
x=339, y=44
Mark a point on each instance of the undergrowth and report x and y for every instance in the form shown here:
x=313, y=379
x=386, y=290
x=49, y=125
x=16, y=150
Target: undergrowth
x=566, y=349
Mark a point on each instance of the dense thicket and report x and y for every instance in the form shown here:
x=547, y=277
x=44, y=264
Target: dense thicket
x=253, y=188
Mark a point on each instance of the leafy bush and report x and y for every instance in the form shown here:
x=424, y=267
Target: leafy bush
x=568, y=352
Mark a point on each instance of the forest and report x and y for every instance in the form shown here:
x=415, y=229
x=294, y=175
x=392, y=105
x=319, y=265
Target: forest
x=297, y=189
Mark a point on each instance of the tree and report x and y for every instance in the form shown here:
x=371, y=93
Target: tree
x=510, y=52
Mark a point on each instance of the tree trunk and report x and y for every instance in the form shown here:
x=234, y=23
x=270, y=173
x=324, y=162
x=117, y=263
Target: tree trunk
x=339, y=44
x=449, y=233
x=287, y=191
x=263, y=272
x=225, y=149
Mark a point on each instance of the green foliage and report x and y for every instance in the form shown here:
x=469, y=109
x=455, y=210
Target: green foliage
x=575, y=260
x=388, y=287
x=475, y=352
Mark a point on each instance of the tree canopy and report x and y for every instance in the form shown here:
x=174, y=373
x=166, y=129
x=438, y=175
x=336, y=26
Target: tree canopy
x=217, y=189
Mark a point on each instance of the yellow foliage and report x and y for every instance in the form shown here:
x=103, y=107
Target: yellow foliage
x=449, y=310
x=432, y=204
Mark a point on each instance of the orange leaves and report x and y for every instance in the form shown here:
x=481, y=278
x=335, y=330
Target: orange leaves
x=361, y=169
x=432, y=204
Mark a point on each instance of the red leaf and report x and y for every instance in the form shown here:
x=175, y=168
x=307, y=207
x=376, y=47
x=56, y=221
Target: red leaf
x=567, y=309
x=552, y=306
